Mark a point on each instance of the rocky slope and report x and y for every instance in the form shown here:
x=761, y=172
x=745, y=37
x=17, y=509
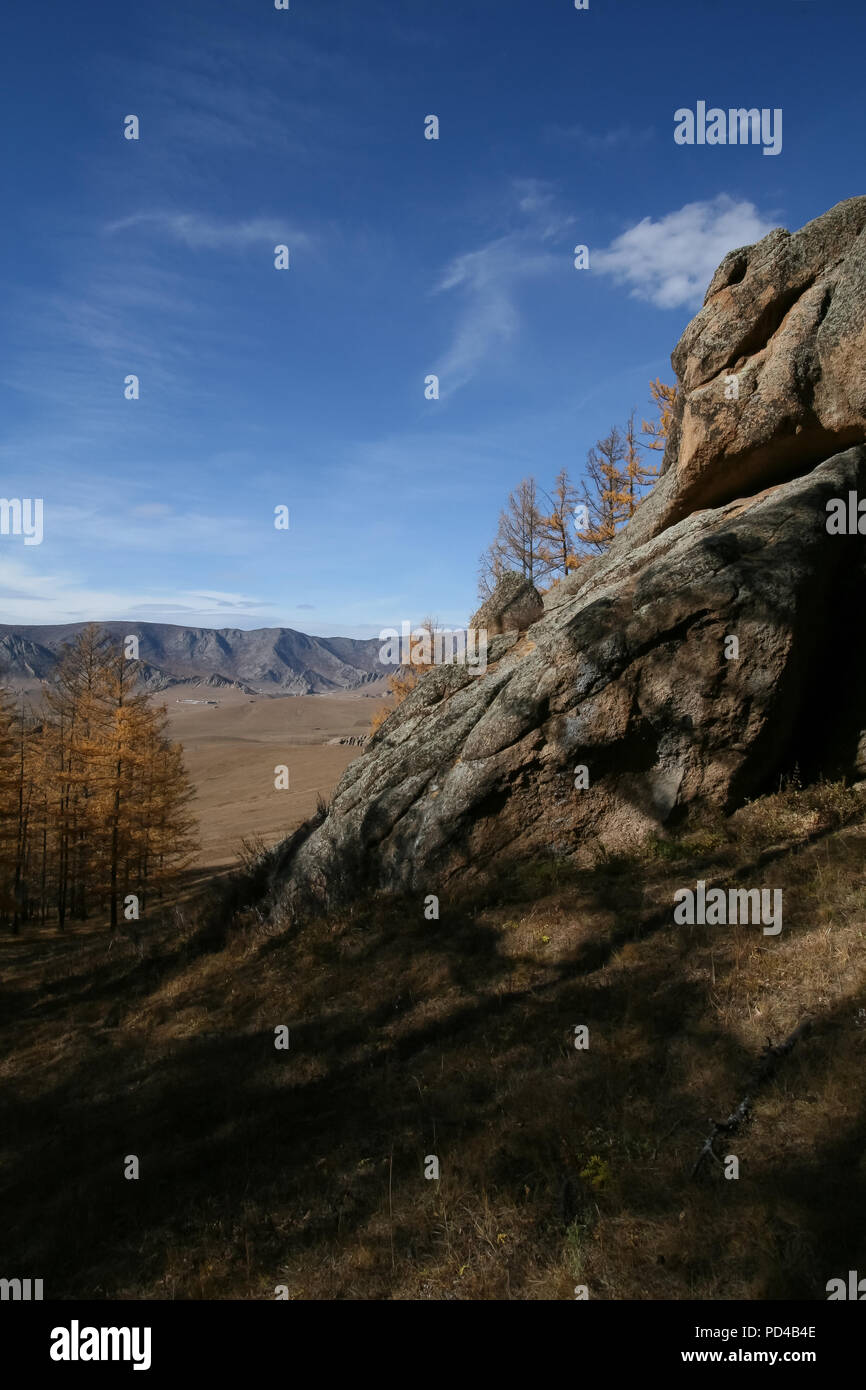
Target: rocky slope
x=631, y=672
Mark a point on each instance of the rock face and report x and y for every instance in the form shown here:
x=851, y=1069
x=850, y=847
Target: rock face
x=515, y=604
x=771, y=372
x=715, y=646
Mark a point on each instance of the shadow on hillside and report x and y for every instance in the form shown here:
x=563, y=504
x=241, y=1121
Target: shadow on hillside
x=230, y=1144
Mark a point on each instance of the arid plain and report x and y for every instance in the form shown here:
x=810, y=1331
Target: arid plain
x=232, y=748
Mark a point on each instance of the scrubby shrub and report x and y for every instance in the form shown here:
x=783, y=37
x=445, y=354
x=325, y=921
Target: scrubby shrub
x=795, y=813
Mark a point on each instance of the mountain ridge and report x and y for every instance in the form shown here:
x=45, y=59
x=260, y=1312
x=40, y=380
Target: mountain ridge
x=260, y=661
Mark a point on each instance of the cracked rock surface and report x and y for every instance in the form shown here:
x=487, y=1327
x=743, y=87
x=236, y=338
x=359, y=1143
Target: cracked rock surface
x=625, y=671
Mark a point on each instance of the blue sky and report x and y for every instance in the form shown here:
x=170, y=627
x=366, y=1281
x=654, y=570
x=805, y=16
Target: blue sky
x=305, y=387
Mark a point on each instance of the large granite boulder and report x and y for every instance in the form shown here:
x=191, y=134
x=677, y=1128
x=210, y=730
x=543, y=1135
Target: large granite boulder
x=514, y=604
x=771, y=373
x=714, y=647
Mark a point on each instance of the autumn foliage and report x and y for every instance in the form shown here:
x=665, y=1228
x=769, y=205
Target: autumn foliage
x=93, y=795
x=403, y=681
x=545, y=536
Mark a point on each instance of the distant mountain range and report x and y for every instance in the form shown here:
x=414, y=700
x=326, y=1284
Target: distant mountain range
x=264, y=661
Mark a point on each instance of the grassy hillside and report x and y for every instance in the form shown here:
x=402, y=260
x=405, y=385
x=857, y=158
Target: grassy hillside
x=455, y=1038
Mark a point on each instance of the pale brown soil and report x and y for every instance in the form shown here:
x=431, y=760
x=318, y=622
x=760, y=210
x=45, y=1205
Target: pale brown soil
x=232, y=749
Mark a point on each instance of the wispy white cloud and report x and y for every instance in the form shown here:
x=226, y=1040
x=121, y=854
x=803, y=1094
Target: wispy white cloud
x=78, y=335
x=489, y=318
x=151, y=509
x=599, y=141
x=221, y=88
x=671, y=261
x=488, y=280
x=155, y=528
x=31, y=593
x=533, y=195
x=199, y=231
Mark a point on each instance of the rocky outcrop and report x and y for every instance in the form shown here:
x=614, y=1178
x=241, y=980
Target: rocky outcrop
x=714, y=647
x=772, y=371
x=515, y=604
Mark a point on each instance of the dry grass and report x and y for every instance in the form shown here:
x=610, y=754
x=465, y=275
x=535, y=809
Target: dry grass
x=455, y=1038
